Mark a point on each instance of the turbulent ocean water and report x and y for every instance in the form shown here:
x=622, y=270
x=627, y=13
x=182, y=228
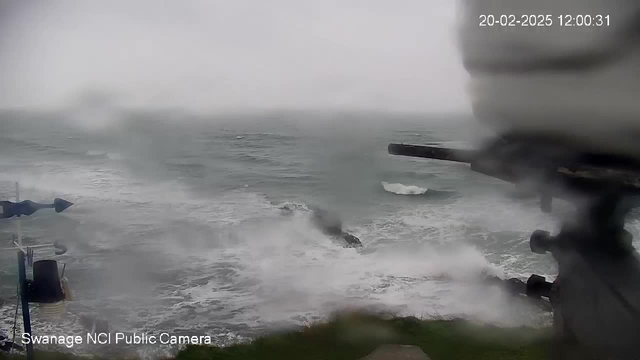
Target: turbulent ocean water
x=177, y=225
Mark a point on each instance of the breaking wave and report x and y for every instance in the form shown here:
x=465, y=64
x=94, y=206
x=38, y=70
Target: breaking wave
x=401, y=189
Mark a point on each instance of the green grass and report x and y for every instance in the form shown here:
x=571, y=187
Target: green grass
x=352, y=336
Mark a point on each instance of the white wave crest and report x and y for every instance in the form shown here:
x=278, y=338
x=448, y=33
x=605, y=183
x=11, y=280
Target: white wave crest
x=401, y=189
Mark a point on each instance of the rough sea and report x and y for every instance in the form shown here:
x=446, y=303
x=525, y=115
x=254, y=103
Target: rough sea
x=177, y=224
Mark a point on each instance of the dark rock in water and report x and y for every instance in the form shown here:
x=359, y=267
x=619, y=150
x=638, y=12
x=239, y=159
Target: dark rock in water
x=331, y=225
x=351, y=240
x=328, y=223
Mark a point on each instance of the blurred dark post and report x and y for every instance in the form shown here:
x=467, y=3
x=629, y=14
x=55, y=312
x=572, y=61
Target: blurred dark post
x=26, y=317
x=22, y=275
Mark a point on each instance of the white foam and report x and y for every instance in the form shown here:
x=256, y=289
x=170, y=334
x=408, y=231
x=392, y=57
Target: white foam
x=292, y=270
x=289, y=269
x=401, y=189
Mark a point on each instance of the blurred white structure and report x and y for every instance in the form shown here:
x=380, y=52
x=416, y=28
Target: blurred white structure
x=581, y=83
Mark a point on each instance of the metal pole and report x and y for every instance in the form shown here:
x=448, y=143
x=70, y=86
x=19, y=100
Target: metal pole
x=22, y=273
x=22, y=278
x=18, y=226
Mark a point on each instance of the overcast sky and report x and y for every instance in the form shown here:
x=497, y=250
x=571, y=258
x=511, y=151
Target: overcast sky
x=234, y=54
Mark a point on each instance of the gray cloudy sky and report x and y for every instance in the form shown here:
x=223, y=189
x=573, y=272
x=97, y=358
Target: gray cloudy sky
x=234, y=54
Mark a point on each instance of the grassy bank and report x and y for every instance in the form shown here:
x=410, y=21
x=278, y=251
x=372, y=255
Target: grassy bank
x=353, y=336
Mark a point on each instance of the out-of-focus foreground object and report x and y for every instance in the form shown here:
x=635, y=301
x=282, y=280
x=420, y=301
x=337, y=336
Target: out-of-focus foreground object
x=563, y=102
x=596, y=295
x=573, y=73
